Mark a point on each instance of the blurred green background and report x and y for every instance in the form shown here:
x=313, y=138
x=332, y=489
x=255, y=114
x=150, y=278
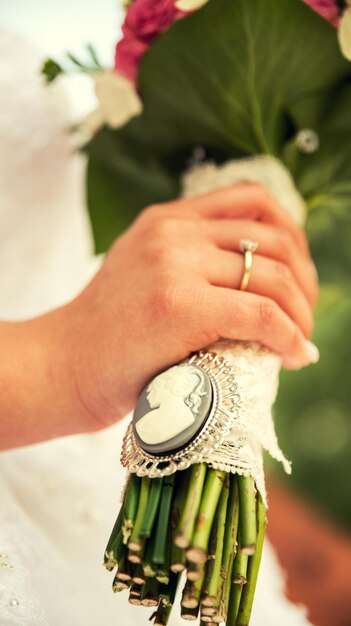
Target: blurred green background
x=313, y=413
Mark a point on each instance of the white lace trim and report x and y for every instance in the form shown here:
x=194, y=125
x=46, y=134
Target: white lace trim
x=266, y=170
x=256, y=368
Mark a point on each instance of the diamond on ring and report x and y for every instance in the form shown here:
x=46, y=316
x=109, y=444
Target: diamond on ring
x=246, y=245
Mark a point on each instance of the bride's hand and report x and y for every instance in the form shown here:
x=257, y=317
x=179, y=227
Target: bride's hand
x=170, y=285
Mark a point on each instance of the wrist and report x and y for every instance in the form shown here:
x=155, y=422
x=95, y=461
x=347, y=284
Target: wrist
x=44, y=401
x=89, y=368
x=29, y=410
x=58, y=336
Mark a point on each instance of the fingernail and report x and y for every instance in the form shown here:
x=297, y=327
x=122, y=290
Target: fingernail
x=311, y=351
x=314, y=269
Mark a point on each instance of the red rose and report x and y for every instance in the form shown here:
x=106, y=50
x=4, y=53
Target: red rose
x=326, y=8
x=129, y=52
x=146, y=19
x=144, y=22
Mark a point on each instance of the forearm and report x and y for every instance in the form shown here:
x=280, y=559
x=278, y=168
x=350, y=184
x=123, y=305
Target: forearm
x=37, y=396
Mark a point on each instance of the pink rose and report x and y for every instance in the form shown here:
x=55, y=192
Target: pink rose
x=146, y=19
x=129, y=52
x=326, y=8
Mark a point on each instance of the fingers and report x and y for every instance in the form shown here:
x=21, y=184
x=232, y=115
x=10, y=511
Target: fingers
x=247, y=201
x=274, y=243
x=268, y=278
x=248, y=317
x=205, y=233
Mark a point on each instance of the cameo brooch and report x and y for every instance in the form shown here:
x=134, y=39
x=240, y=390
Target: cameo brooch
x=183, y=414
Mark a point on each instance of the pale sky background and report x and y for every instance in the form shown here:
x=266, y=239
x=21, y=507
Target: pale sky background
x=54, y=26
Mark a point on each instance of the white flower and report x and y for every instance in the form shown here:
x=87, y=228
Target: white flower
x=90, y=124
x=118, y=102
x=190, y=5
x=344, y=34
x=118, y=98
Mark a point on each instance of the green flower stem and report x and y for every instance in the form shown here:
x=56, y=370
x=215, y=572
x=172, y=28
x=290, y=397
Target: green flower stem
x=234, y=603
x=124, y=569
x=177, y=558
x=181, y=489
x=197, y=553
x=138, y=575
x=194, y=571
x=135, y=595
x=163, y=570
x=116, y=552
x=189, y=614
x=152, y=507
x=247, y=495
x=213, y=565
x=134, y=557
x=166, y=596
x=191, y=506
x=160, y=555
x=207, y=611
x=253, y=568
x=209, y=506
x=162, y=615
x=239, y=573
x=149, y=592
x=188, y=596
x=119, y=585
x=229, y=548
x=192, y=592
x=135, y=590
x=168, y=592
x=135, y=542
x=130, y=506
x=149, y=566
x=238, y=579
x=114, y=534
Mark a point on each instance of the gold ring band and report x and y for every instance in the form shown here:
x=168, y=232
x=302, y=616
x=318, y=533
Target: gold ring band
x=247, y=247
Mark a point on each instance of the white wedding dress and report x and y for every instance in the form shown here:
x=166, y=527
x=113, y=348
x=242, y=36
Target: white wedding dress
x=58, y=500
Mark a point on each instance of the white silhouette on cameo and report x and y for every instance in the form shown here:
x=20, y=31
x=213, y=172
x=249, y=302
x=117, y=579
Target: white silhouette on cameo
x=175, y=395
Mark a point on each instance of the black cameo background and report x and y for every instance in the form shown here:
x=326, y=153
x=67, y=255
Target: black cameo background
x=180, y=396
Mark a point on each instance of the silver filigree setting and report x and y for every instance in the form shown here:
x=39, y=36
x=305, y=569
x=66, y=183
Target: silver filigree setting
x=224, y=412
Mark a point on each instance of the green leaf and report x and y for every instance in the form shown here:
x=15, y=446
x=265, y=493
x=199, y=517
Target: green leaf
x=324, y=111
x=75, y=60
x=94, y=56
x=123, y=177
x=226, y=78
x=240, y=67
x=324, y=178
x=51, y=70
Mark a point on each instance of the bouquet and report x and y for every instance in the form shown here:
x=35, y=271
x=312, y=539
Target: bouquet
x=205, y=94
